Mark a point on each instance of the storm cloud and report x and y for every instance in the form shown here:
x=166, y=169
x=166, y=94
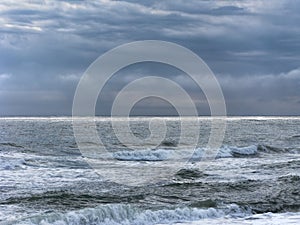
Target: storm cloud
x=252, y=46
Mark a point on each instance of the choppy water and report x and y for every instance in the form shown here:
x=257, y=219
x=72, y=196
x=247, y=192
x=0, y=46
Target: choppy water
x=255, y=178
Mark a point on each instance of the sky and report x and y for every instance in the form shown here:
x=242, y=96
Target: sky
x=252, y=46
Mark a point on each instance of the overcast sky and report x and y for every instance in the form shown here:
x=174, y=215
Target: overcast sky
x=252, y=46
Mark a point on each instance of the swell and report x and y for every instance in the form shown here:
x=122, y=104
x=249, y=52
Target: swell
x=261, y=196
x=273, y=149
x=70, y=200
x=11, y=144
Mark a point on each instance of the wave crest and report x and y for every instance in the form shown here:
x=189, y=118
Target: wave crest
x=144, y=155
x=11, y=163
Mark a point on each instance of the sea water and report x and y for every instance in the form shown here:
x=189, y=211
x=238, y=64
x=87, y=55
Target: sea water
x=254, y=178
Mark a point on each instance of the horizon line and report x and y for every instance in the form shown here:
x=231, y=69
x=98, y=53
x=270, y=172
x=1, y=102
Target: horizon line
x=3, y=116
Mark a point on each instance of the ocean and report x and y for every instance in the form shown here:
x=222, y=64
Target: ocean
x=46, y=179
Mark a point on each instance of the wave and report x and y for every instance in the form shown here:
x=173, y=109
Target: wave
x=128, y=214
x=166, y=154
x=7, y=163
x=190, y=173
x=247, y=151
x=296, y=136
x=228, y=152
x=224, y=152
x=11, y=163
x=272, y=149
x=144, y=155
x=11, y=144
x=169, y=143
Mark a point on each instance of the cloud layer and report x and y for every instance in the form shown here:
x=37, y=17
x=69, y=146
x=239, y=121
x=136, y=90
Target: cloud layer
x=252, y=46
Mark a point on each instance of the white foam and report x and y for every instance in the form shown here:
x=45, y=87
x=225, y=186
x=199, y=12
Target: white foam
x=126, y=214
x=166, y=154
x=249, y=150
x=228, y=152
x=144, y=155
x=288, y=218
x=8, y=163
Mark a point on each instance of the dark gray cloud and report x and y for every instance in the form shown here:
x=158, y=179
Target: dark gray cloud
x=252, y=46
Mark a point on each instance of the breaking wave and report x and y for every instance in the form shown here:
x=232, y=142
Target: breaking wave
x=144, y=155
x=166, y=154
x=7, y=163
x=228, y=152
x=224, y=152
x=127, y=214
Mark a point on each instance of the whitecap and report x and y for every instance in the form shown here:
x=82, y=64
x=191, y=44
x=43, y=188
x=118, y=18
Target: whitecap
x=144, y=155
x=7, y=163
